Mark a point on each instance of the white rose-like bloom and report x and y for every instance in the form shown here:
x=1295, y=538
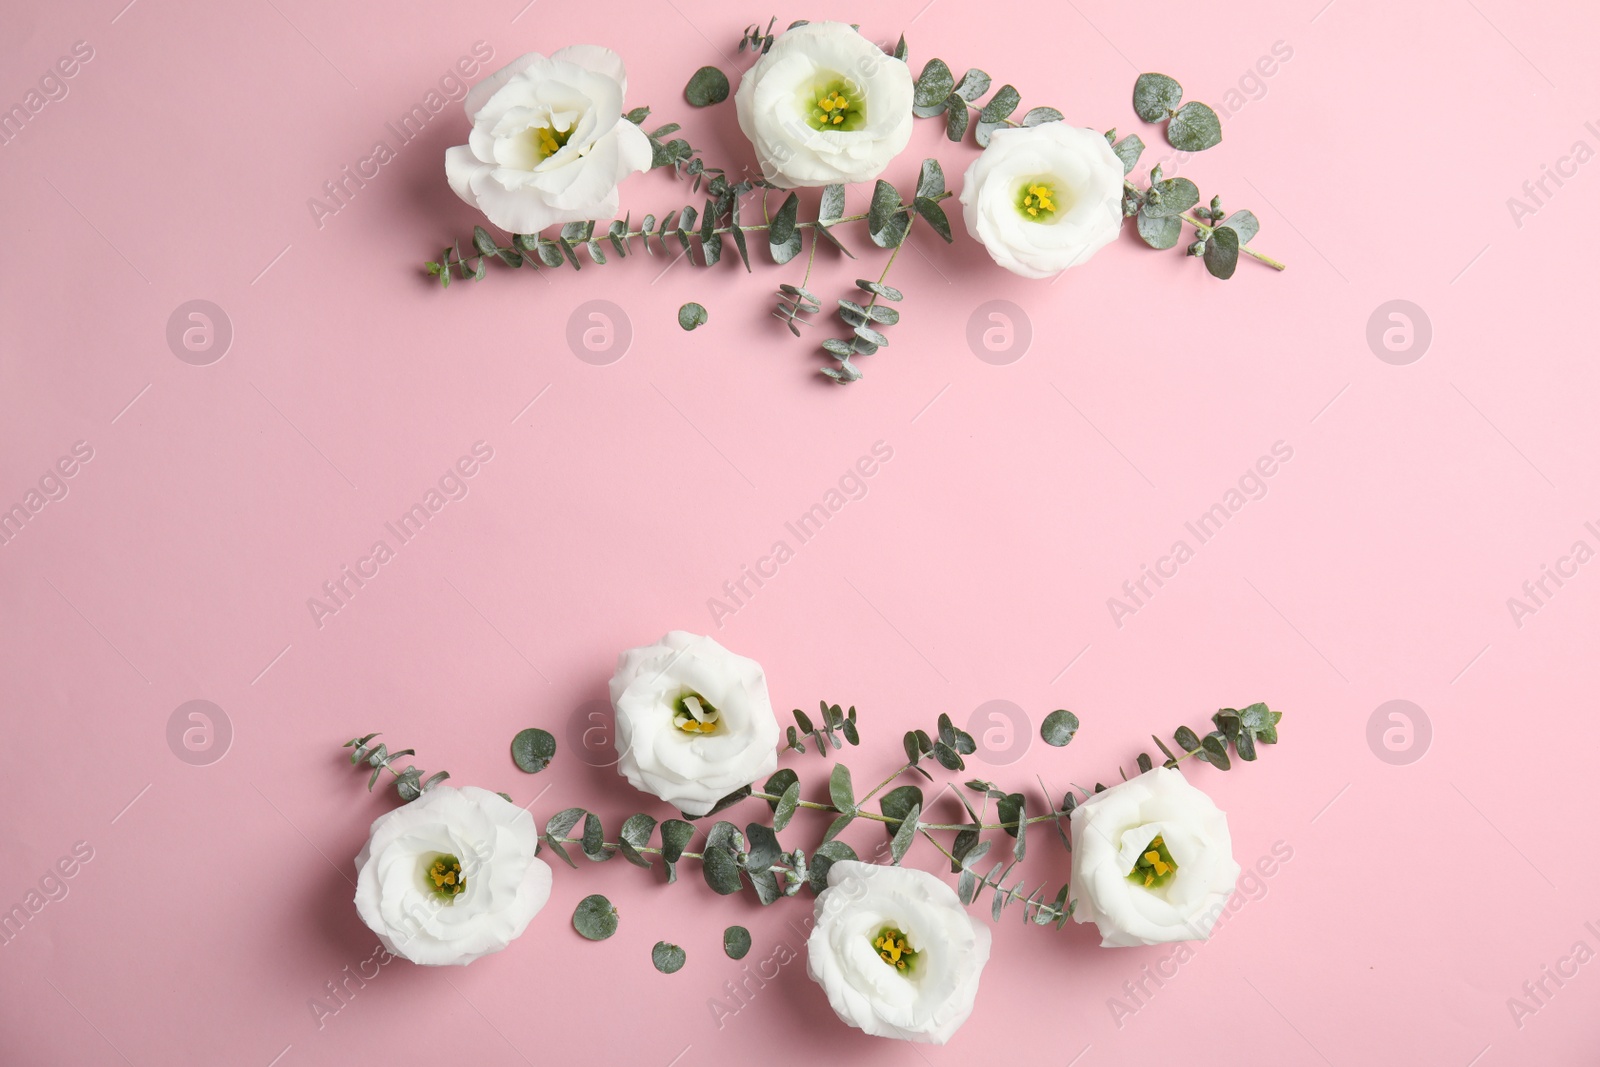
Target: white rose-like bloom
x=825, y=105
x=549, y=143
x=1151, y=861
x=451, y=876
x=1043, y=198
x=896, y=952
x=694, y=722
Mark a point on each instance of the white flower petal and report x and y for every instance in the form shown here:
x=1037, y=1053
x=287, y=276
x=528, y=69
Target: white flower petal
x=576, y=94
x=1086, y=175
x=692, y=771
x=1110, y=829
x=772, y=113
x=927, y=1003
x=603, y=61
x=505, y=883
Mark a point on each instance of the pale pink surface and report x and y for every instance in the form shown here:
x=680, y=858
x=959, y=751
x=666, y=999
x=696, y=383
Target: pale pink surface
x=1019, y=498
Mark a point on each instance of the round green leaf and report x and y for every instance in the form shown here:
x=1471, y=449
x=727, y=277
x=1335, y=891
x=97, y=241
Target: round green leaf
x=1222, y=252
x=595, y=917
x=533, y=749
x=669, y=959
x=1058, y=728
x=736, y=942
x=1194, y=128
x=692, y=315
x=707, y=86
x=1159, y=232
x=1155, y=96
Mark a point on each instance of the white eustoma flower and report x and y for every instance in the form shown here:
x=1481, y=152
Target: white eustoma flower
x=451, y=876
x=694, y=722
x=549, y=141
x=896, y=952
x=1151, y=861
x=825, y=105
x=1043, y=198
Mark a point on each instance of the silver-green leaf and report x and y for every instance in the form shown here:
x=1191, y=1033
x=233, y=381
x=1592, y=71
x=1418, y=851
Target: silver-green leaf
x=1058, y=728
x=1155, y=96
x=1194, y=128
x=707, y=86
x=692, y=315
x=669, y=959
x=532, y=750
x=595, y=917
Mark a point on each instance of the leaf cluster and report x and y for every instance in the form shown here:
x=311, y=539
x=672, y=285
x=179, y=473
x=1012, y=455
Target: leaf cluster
x=937, y=92
x=1241, y=729
x=409, y=783
x=835, y=723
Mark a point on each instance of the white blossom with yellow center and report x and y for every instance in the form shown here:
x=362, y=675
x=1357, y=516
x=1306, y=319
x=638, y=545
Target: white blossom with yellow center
x=895, y=951
x=825, y=105
x=1152, y=861
x=694, y=722
x=1044, y=198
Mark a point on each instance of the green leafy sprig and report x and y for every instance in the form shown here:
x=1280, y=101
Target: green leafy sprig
x=733, y=860
x=1160, y=209
x=835, y=723
x=409, y=783
x=889, y=222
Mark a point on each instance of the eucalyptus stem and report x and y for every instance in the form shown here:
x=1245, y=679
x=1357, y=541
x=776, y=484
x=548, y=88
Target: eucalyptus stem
x=1206, y=230
x=466, y=263
x=614, y=847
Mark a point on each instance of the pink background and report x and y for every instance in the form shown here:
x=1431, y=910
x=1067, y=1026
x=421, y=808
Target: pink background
x=1420, y=896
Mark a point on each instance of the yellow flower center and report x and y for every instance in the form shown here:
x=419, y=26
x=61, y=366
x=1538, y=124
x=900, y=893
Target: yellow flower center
x=1155, y=867
x=835, y=104
x=1037, y=201
x=445, y=878
x=693, y=714
x=893, y=949
x=547, y=140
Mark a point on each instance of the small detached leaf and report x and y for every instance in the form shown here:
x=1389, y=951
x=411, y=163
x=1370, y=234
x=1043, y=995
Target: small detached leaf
x=1156, y=96
x=736, y=942
x=532, y=750
x=669, y=959
x=707, y=86
x=1194, y=128
x=1058, y=728
x=692, y=315
x=595, y=917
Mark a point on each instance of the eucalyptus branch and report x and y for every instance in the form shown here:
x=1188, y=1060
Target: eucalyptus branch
x=889, y=221
x=1161, y=209
x=732, y=859
x=409, y=783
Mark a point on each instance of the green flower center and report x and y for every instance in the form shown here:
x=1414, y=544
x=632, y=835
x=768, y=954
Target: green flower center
x=1037, y=200
x=444, y=877
x=693, y=714
x=835, y=103
x=547, y=140
x=893, y=949
x=1155, y=867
